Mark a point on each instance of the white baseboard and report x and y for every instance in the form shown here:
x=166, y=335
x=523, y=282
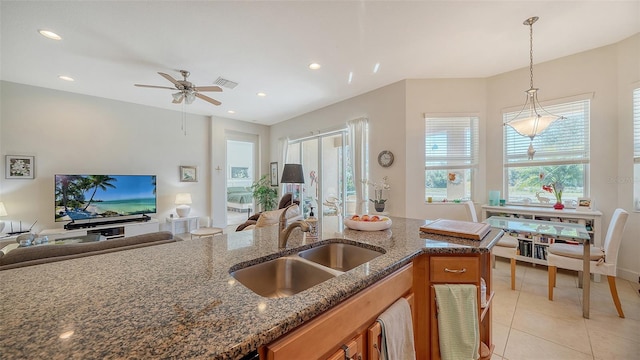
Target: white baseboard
x=628, y=275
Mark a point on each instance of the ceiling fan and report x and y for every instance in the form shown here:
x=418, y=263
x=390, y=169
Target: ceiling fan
x=186, y=90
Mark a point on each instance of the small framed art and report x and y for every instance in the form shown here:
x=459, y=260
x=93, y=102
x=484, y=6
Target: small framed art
x=188, y=174
x=20, y=167
x=274, y=174
x=584, y=204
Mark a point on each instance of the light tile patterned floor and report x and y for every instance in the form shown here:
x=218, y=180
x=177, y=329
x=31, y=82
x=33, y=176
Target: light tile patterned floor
x=526, y=325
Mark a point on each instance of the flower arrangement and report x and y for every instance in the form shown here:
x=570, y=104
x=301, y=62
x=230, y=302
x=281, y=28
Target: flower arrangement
x=554, y=187
x=378, y=187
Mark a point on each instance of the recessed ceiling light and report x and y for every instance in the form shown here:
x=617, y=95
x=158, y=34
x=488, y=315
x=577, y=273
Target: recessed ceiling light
x=65, y=78
x=49, y=34
x=261, y=94
x=231, y=112
x=376, y=67
x=314, y=66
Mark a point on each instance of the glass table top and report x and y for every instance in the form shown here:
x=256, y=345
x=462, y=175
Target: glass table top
x=541, y=227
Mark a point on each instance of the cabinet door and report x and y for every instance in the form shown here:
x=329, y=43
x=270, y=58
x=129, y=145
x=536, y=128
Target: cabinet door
x=435, y=340
x=374, y=333
x=352, y=350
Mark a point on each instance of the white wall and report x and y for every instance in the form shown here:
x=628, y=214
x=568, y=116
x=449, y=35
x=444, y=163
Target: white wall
x=78, y=134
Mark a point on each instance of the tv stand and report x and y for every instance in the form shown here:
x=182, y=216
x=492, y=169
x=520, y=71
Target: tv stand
x=104, y=221
x=131, y=227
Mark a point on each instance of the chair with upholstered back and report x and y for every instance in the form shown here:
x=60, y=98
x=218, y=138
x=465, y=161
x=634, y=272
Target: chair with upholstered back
x=603, y=261
x=507, y=247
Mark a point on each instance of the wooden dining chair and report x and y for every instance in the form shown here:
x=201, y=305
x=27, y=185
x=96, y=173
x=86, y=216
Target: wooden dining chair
x=603, y=261
x=506, y=247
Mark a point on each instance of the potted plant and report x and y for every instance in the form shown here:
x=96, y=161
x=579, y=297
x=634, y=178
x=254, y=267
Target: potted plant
x=378, y=201
x=264, y=194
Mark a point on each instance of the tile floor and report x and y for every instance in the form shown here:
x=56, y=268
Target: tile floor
x=526, y=325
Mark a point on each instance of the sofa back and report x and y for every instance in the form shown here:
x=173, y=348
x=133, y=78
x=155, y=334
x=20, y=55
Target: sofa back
x=41, y=254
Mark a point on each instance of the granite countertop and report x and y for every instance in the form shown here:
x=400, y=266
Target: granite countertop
x=178, y=300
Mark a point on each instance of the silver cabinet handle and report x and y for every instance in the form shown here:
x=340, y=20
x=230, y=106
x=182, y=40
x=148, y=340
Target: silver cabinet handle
x=463, y=270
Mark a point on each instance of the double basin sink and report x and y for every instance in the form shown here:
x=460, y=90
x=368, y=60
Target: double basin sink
x=289, y=275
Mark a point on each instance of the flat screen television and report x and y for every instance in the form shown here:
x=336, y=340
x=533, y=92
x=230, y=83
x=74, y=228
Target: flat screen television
x=104, y=197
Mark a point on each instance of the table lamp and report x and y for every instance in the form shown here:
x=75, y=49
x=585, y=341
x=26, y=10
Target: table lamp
x=292, y=174
x=3, y=212
x=183, y=200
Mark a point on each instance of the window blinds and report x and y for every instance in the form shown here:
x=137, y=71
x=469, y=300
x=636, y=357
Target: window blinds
x=451, y=142
x=566, y=141
x=636, y=126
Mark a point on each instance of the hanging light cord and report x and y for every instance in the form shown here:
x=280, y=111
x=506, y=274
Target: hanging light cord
x=530, y=22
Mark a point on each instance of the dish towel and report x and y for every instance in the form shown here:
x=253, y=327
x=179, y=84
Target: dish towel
x=397, y=332
x=458, y=327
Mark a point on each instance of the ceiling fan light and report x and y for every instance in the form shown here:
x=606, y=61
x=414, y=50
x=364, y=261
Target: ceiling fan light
x=190, y=97
x=177, y=97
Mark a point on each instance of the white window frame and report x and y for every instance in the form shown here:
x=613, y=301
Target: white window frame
x=579, y=154
x=636, y=148
x=457, y=163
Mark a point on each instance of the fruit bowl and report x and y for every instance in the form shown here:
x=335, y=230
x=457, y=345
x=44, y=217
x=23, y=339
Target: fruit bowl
x=382, y=224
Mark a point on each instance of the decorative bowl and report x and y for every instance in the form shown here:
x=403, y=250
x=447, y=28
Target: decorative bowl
x=383, y=224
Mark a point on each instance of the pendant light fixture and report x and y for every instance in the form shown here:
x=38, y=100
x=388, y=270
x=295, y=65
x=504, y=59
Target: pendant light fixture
x=533, y=119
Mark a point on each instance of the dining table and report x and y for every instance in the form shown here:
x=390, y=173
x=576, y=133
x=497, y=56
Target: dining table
x=559, y=230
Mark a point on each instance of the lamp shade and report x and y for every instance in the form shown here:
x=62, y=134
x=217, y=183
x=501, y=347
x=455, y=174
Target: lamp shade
x=183, y=199
x=3, y=211
x=292, y=174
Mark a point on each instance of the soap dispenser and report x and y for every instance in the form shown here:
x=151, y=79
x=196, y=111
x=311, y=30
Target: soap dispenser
x=313, y=225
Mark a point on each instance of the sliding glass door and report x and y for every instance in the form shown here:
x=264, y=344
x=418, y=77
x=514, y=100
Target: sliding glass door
x=327, y=176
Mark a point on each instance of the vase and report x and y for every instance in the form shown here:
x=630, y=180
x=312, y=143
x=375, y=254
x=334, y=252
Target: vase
x=558, y=206
x=379, y=207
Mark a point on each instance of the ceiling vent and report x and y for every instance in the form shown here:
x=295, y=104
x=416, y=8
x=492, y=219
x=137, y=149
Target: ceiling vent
x=225, y=83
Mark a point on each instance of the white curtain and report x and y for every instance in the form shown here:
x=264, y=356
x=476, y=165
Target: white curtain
x=284, y=148
x=358, y=143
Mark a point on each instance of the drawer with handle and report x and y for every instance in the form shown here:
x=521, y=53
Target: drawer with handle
x=454, y=269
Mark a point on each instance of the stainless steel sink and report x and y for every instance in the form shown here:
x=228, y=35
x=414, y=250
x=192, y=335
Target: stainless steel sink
x=282, y=277
x=339, y=256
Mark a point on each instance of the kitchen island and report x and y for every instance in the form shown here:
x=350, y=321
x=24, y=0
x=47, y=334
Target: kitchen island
x=178, y=300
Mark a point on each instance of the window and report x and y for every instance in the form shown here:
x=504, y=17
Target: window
x=561, y=154
x=451, y=155
x=636, y=148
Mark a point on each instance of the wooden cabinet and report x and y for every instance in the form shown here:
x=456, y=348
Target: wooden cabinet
x=448, y=269
x=352, y=350
x=346, y=324
x=352, y=324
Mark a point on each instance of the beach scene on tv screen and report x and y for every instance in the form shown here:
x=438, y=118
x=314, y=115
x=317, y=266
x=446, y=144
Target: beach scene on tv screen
x=81, y=197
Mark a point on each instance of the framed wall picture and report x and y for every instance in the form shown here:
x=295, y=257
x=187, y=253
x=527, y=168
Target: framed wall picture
x=584, y=204
x=274, y=174
x=20, y=167
x=188, y=174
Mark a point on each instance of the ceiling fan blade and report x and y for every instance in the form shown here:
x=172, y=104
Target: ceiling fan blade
x=208, y=88
x=153, y=86
x=174, y=81
x=208, y=99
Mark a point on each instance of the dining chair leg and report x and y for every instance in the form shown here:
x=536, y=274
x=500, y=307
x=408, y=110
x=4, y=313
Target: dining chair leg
x=580, y=282
x=552, y=280
x=513, y=273
x=614, y=295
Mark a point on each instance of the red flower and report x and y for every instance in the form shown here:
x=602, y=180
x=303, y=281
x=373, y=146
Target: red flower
x=547, y=188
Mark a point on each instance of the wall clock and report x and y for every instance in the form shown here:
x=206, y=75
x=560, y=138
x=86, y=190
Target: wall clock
x=385, y=158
